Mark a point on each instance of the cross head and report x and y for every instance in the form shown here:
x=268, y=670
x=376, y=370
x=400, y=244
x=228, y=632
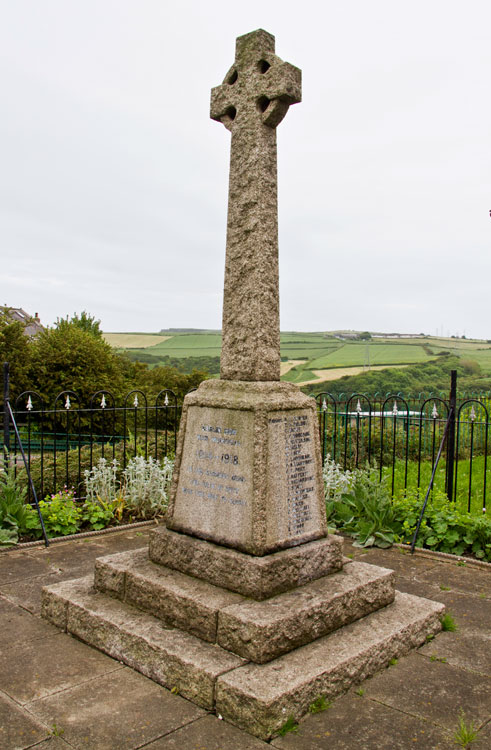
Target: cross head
x=258, y=88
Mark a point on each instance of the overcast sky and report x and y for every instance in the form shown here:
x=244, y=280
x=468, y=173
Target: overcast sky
x=113, y=178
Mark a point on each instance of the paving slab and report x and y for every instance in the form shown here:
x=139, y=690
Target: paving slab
x=434, y=691
x=19, y=626
x=208, y=733
x=18, y=730
x=460, y=578
x=39, y=668
x=471, y=613
x=467, y=650
x=121, y=710
x=483, y=739
x=26, y=593
x=401, y=561
x=53, y=743
x=18, y=565
x=357, y=722
x=416, y=587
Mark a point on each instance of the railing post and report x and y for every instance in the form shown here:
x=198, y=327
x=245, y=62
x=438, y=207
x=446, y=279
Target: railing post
x=6, y=415
x=451, y=435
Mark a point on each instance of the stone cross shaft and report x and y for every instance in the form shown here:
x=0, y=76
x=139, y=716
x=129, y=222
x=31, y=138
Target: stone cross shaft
x=251, y=102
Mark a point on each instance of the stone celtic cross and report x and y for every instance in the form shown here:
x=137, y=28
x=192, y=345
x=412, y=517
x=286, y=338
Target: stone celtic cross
x=251, y=102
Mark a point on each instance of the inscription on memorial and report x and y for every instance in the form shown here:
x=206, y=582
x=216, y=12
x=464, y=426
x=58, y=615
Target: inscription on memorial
x=291, y=448
x=216, y=473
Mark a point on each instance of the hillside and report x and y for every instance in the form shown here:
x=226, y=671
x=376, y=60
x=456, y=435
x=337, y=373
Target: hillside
x=307, y=357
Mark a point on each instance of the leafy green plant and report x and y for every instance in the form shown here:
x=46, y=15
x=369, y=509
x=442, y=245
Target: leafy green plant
x=290, y=725
x=14, y=511
x=97, y=515
x=360, y=692
x=56, y=731
x=448, y=623
x=8, y=537
x=392, y=662
x=369, y=514
x=365, y=512
x=466, y=733
x=320, y=704
x=61, y=515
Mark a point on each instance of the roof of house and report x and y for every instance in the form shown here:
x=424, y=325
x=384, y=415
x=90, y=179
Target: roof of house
x=32, y=324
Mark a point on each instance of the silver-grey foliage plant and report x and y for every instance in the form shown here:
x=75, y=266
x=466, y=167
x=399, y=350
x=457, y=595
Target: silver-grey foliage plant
x=144, y=484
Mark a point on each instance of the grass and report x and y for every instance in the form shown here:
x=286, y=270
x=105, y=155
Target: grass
x=290, y=725
x=448, y=623
x=466, y=733
x=463, y=472
x=321, y=351
x=299, y=375
x=320, y=704
x=380, y=354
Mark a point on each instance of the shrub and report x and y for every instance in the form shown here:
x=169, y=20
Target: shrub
x=367, y=512
x=145, y=486
x=14, y=512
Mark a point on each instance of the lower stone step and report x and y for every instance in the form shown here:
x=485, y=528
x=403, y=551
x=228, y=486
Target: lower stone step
x=168, y=656
x=177, y=599
x=256, y=630
x=256, y=697
x=260, y=697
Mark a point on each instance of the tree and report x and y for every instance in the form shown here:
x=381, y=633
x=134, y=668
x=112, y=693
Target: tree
x=84, y=321
x=14, y=349
x=68, y=357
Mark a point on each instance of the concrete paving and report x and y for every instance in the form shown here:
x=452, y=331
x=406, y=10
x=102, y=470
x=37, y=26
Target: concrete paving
x=57, y=693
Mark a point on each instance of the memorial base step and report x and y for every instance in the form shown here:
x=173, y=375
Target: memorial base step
x=255, y=697
x=248, y=575
x=256, y=630
x=261, y=697
x=168, y=656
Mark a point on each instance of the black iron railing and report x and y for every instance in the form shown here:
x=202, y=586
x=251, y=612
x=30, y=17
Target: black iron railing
x=399, y=435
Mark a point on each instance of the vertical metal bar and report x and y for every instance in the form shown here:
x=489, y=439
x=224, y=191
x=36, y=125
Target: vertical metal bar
x=470, y=469
x=357, y=438
x=451, y=435
x=394, y=428
x=29, y=447
x=485, y=463
x=29, y=477
x=6, y=415
x=42, y=449
x=419, y=443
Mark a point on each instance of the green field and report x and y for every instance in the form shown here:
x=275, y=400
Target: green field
x=317, y=350
x=350, y=355
x=133, y=340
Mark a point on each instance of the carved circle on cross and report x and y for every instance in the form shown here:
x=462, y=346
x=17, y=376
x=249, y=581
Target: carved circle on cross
x=259, y=87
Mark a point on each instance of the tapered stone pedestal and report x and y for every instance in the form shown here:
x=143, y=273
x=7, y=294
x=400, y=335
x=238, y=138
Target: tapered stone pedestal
x=248, y=468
